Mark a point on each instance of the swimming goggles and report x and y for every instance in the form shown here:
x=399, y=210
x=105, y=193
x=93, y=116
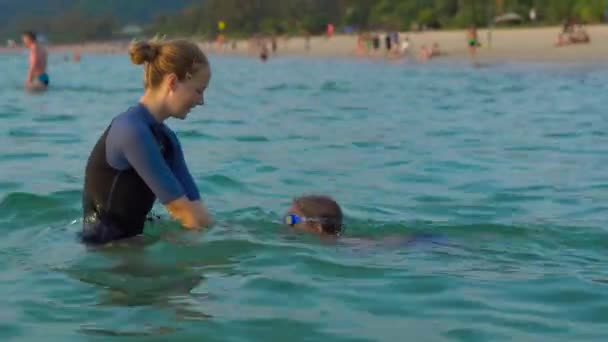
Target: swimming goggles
x=293, y=219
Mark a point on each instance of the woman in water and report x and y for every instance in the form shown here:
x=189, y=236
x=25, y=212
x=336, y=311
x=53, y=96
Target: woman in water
x=138, y=158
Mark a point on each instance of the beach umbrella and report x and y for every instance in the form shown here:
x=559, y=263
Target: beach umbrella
x=508, y=18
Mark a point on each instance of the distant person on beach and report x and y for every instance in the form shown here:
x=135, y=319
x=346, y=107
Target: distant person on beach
x=388, y=42
x=360, y=44
x=330, y=30
x=404, y=46
x=395, y=37
x=307, y=40
x=572, y=33
x=376, y=41
x=138, y=158
x=273, y=43
x=37, y=78
x=532, y=14
x=76, y=56
x=263, y=52
x=424, y=54
x=473, y=42
x=435, y=51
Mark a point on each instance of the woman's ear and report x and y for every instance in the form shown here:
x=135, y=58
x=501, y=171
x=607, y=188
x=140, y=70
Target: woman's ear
x=172, y=81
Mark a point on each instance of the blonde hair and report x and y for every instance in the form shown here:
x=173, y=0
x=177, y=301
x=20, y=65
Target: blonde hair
x=159, y=57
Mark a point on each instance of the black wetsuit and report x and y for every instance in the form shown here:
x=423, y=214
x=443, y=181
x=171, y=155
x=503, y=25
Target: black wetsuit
x=136, y=160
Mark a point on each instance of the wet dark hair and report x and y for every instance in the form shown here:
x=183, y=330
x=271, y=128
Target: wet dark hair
x=325, y=209
x=30, y=34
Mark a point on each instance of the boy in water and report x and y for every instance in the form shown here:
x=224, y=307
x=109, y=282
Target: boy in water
x=319, y=214
x=315, y=214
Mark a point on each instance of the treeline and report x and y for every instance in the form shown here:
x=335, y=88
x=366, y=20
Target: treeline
x=102, y=20
x=72, y=26
x=79, y=20
x=244, y=17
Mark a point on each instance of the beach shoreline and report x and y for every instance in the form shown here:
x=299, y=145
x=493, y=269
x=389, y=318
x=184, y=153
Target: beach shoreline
x=533, y=45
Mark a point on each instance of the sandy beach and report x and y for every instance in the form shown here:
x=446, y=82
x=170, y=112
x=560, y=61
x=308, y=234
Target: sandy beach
x=500, y=44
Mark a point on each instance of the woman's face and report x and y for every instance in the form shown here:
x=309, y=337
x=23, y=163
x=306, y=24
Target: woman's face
x=188, y=94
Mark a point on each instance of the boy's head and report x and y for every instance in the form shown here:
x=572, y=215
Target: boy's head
x=315, y=213
x=28, y=38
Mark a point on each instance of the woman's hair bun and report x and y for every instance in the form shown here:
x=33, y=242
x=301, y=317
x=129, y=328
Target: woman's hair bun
x=143, y=52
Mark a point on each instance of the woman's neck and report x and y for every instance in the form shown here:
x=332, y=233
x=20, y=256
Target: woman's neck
x=154, y=102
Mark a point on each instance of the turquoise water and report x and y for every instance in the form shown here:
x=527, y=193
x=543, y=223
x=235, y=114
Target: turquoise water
x=505, y=166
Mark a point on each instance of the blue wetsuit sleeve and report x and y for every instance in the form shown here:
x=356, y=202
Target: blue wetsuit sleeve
x=178, y=164
x=142, y=152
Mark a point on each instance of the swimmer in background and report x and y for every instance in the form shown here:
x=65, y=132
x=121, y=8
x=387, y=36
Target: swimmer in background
x=37, y=79
x=138, y=158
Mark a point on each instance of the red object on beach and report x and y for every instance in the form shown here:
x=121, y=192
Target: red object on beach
x=330, y=30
